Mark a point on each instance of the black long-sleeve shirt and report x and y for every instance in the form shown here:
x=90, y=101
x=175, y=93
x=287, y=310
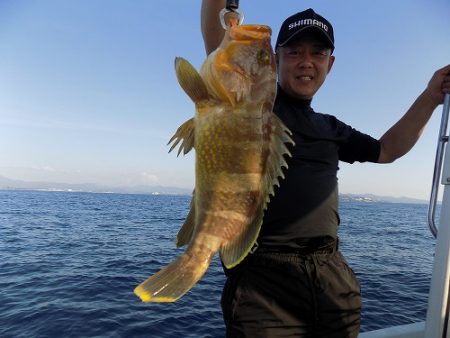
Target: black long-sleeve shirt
x=306, y=203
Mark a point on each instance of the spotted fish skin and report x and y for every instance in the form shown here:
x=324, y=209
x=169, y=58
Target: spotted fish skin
x=239, y=144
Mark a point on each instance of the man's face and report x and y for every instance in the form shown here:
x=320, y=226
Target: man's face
x=303, y=66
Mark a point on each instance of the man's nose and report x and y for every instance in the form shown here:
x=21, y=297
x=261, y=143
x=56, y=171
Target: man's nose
x=306, y=59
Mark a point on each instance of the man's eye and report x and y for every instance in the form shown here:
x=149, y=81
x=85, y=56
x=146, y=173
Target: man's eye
x=321, y=52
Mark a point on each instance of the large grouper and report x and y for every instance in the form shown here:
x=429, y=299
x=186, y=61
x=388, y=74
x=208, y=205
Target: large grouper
x=240, y=146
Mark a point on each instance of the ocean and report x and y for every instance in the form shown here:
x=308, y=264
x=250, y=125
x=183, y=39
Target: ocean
x=69, y=262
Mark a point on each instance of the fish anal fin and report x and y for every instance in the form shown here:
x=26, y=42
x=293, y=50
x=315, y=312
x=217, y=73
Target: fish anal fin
x=185, y=234
x=190, y=80
x=235, y=252
x=185, y=135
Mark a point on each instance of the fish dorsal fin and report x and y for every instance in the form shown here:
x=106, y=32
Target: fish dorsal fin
x=276, y=161
x=184, y=133
x=190, y=80
x=233, y=253
x=185, y=234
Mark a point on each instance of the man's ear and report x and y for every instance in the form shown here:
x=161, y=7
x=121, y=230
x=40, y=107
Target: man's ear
x=330, y=63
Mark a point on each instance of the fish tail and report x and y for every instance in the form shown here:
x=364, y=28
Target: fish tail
x=173, y=281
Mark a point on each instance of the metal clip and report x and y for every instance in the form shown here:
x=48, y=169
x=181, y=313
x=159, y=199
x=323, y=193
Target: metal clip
x=254, y=248
x=223, y=12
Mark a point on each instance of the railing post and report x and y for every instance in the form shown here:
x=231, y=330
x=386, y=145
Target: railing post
x=437, y=324
x=443, y=138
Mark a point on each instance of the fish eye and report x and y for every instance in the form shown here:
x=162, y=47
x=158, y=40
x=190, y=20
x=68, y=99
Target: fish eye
x=263, y=57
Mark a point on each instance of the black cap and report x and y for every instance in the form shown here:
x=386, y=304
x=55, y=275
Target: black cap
x=302, y=21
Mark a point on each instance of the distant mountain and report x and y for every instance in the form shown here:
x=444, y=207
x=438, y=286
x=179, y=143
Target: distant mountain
x=10, y=184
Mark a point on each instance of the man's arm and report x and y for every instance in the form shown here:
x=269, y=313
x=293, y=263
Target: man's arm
x=212, y=30
x=211, y=27
x=402, y=136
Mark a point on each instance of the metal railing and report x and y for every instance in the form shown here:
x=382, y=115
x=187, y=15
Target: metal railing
x=443, y=138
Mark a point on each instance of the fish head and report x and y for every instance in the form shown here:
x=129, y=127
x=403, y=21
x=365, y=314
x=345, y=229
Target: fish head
x=243, y=67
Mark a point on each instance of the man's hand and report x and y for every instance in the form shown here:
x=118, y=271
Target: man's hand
x=439, y=85
x=402, y=136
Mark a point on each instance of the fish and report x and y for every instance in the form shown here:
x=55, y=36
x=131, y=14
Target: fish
x=239, y=146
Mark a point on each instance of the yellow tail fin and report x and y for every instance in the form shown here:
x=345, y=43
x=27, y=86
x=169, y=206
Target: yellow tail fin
x=173, y=281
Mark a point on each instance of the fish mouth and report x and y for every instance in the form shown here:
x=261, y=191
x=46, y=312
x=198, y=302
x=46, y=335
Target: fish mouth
x=250, y=32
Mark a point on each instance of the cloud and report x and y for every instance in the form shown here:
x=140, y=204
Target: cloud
x=149, y=178
x=43, y=168
x=29, y=122
x=142, y=178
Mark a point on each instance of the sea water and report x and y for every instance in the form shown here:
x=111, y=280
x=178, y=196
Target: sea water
x=69, y=263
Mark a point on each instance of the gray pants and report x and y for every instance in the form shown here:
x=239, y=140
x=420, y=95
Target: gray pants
x=284, y=294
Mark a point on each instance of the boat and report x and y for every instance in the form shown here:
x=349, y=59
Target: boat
x=437, y=323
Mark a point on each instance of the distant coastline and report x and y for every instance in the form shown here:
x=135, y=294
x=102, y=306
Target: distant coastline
x=18, y=185
x=370, y=198
x=12, y=184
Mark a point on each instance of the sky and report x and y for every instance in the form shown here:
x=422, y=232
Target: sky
x=88, y=92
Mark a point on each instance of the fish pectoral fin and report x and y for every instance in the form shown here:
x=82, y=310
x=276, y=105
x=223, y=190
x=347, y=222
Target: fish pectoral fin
x=190, y=80
x=185, y=234
x=185, y=135
x=235, y=252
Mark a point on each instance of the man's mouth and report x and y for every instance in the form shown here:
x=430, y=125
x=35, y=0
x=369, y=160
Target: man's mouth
x=305, y=77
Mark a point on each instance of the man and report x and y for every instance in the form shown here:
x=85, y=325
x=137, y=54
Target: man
x=296, y=282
